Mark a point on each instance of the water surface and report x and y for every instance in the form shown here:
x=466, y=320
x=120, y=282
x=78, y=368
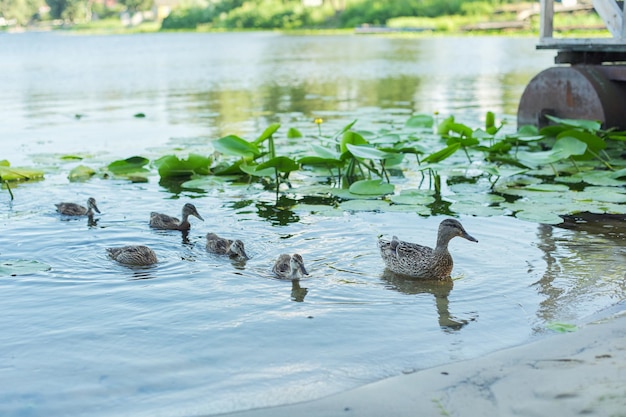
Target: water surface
x=201, y=334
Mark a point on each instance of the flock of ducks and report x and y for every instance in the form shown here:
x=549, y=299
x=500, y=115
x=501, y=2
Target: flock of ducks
x=400, y=257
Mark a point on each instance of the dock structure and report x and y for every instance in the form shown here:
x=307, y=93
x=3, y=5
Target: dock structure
x=589, y=81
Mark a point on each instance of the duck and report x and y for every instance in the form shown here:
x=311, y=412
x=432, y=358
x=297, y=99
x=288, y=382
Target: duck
x=223, y=246
x=289, y=267
x=137, y=255
x=165, y=222
x=416, y=261
x=73, y=209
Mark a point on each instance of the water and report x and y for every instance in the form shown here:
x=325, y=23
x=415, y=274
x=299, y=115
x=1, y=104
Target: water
x=201, y=334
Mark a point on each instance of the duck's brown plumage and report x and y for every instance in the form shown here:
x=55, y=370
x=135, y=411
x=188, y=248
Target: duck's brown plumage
x=419, y=261
x=73, y=209
x=223, y=246
x=138, y=255
x=289, y=266
x=165, y=222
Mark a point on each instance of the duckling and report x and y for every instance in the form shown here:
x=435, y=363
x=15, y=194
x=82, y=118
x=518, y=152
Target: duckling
x=289, y=267
x=133, y=255
x=418, y=261
x=73, y=209
x=165, y=222
x=223, y=246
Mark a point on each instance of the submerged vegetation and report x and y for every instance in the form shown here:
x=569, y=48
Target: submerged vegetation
x=427, y=166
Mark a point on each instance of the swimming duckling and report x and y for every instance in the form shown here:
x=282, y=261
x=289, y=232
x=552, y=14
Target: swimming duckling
x=418, y=261
x=73, y=209
x=289, y=267
x=165, y=222
x=133, y=255
x=223, y=246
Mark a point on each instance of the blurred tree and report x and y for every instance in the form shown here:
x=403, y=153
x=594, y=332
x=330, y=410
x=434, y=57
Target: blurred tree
x=23, y=11
x=136, y=5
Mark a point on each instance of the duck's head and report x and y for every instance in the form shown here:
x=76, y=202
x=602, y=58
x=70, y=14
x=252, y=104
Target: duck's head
x=450, y=228
x=91, y=204
x=237, y=249
x=190, y=210
x=297, y=265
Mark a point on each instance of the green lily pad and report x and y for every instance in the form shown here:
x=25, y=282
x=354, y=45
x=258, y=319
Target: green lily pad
x=281, y=163
x=8, y=173
x=22, y=267
x=371, y=187
x=561, y=327
x=473, y=209
x=539, y=216
x=80, y=173
x=351, y=138
x=364, y=205
x=236, y=146
x=294, y=133
x=170, y=166
x=420, y=121
x=128, y=165
x=413, y=197
x=267, y=133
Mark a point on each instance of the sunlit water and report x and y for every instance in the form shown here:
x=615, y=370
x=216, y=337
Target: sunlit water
x=200, y=334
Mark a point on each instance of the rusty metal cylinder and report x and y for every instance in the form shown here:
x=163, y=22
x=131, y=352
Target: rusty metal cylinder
x=591, y=92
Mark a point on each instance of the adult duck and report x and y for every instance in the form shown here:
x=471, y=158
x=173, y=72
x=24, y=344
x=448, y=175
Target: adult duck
x=223, y=246
x=73, y=209
x=165, y=222
x=422, y=262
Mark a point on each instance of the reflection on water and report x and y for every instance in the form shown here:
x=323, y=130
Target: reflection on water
x=439, y=289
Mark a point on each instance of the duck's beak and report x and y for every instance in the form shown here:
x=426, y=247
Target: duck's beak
x=96, y=209
x=198, y=215
x=465, y=235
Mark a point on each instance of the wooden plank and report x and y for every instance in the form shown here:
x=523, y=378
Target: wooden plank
x=546, y=27
x=611, y=14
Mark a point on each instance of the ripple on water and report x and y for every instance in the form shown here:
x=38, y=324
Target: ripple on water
x=197, y=322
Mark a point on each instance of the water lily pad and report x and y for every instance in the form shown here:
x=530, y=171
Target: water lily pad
x=600, y=178
x=420, y=121
x=413, y=197
x=170, y=166
x=22, y=267
x=8, y=173
x=605, y=194
x=281, y=163
x=128, y=165
x=539, y=216
x=561, y=327
x=236, y=146
x=208, y=182
x=474, y=209
x=294, y=133
x=547, y=187
x=364, y=205
x=371, y=187
x=81, y=173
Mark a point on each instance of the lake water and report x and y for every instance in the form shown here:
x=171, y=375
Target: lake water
x=199, y=334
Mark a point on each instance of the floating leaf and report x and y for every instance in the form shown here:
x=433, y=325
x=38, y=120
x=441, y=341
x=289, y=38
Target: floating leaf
x=535, y=215
x=139, y=115
x=444, y=126
x=547, y=187
x=171, y=166
x=319, y=161
x=81, y=172
x=474, y=209
x=22, y=267
x=364, y=205
x=413, y=197
x=256, y=172
x=236, y=146
x=371, y=187
x=420, y=121
x=8, y=173
x=128, y=165
x=561, y=327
